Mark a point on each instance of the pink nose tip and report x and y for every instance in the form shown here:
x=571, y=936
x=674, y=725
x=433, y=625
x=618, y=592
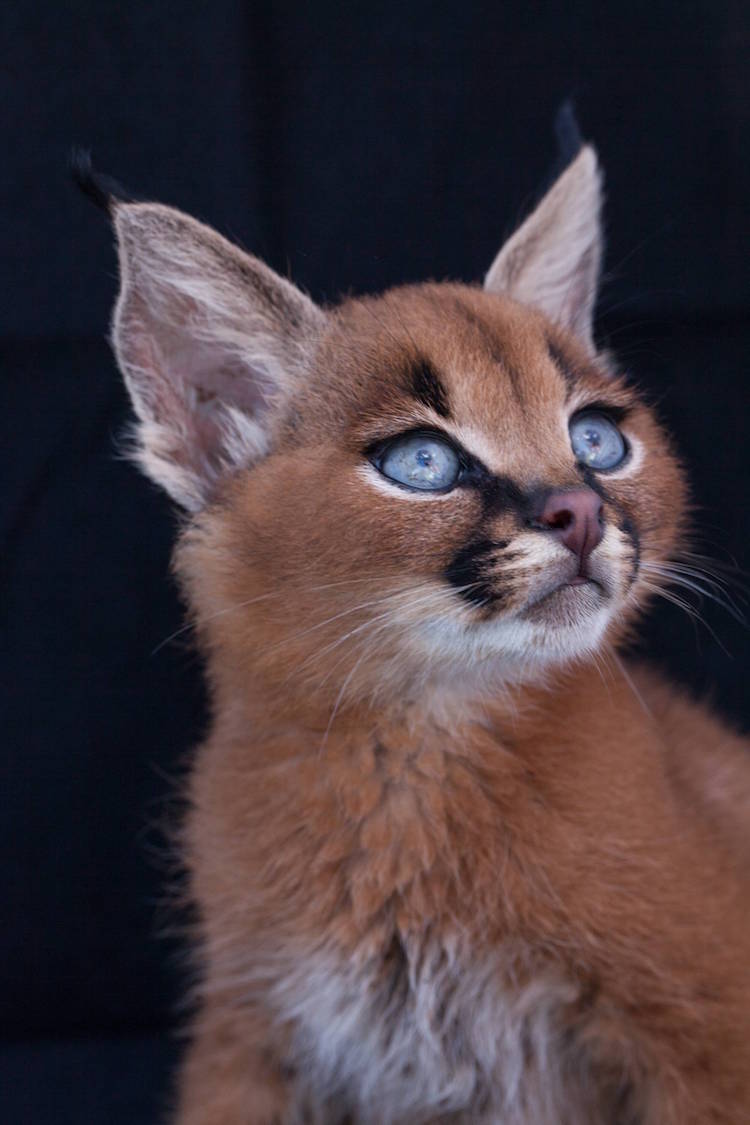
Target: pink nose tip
x=576, y=517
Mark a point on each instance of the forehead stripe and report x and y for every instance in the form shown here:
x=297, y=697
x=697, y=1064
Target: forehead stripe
x=427, y=388
x=562, y=363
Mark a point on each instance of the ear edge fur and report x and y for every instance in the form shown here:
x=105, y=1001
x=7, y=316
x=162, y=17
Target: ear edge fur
x=574, y=200
x=240, y=308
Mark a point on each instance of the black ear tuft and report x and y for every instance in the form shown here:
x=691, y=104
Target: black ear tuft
x=568, y=133
x=569, y=143
x=102, y=190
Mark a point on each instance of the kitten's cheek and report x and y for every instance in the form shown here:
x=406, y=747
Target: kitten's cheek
x=612, y=563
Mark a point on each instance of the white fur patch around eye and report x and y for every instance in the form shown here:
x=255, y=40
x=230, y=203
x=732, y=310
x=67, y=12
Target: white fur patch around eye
x=637, y=453
x=469, y=438
x=375, y=479
x=633, y=462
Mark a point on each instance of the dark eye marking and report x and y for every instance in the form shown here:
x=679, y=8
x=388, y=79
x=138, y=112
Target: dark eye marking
x=472, y=472
x=572, y=371
x=564, y=365
x=624, y=520
x=629, y=528
x=482, y=331
x=427, y=388
x=611, y=410
x=499, y=494
x=496, y=493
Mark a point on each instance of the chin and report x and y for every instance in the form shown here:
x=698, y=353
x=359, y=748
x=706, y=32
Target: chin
x=567, y=605
x=565, y=625
x=555, y=634
x=561, y=632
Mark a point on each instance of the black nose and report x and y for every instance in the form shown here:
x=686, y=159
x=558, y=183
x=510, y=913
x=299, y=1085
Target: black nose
x=575, y=516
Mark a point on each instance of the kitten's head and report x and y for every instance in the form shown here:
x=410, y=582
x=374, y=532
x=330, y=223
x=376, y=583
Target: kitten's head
x=431, y=485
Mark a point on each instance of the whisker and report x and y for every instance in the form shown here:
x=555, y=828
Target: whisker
x=441, y=595
x=687, y=608
x=335, y=617
x=728, y=572
x=211, y=617
x=263, y=597
x=337, y=704
x=376, y=626
x=669, y=596
x=627, y=678
x=704, y=586
x=601, y=665
x=384, y=621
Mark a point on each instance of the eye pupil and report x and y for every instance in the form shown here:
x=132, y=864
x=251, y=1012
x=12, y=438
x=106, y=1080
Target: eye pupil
x=424, y=457
x=593, y=438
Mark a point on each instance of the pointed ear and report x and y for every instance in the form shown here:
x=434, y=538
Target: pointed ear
x=211, y=343
x=553, y=259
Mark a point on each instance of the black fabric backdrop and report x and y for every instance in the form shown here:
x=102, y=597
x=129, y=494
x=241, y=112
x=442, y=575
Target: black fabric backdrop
x=352, y=147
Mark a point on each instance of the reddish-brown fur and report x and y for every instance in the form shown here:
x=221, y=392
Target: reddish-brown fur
x=364, y=796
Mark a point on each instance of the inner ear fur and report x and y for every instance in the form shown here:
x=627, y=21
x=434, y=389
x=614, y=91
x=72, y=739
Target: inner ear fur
x=211, y=343
x=553, y=260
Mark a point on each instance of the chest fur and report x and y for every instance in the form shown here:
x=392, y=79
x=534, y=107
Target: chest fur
x=404, y=983
x=425, y=1031
x=428, y=1015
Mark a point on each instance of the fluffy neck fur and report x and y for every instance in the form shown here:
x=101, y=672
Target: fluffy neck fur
x=452, y=861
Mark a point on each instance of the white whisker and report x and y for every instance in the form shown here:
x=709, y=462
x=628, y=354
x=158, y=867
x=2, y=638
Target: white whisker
x=434, y=594
x=626, y=676
x=686, y=607
x=337, y=704
x=690, y=578
x=265, y=597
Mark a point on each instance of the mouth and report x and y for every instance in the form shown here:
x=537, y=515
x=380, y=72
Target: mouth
x=579, y=580
x=568, y=601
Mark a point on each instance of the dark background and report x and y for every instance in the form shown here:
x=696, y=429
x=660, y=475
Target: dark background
x=353, y=147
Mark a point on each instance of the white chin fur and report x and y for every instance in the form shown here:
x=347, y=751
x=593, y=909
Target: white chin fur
x=518, y=648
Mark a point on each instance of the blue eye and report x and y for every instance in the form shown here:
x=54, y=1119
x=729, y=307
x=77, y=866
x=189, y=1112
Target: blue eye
x=596, y=441
x=420, y=461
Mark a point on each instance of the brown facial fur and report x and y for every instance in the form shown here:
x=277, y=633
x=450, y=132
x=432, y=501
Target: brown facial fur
x=453, y=862
x=316, y=541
